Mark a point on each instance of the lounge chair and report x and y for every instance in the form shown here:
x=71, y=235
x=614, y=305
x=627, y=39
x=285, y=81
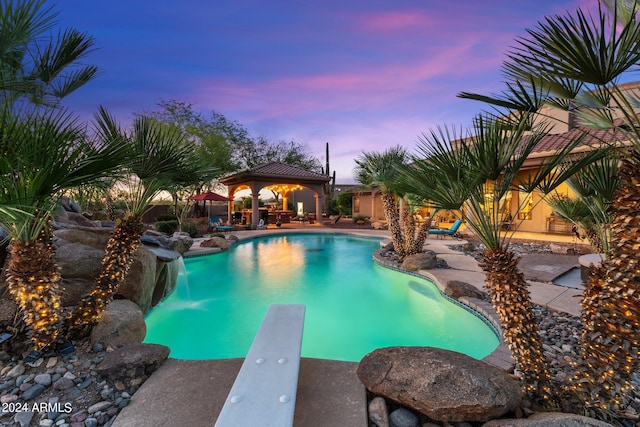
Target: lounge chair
x=452, y=231
x=215, y=224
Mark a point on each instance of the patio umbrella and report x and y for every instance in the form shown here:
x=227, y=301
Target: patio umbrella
x=210, y=196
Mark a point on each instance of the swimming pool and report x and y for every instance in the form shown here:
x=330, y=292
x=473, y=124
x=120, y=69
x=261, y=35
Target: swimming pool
x=353, y=306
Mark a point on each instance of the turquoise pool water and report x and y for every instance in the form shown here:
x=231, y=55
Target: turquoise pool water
x=353, y=306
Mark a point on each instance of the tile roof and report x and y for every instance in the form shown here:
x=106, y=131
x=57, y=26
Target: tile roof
x=594, y=137
x=283, y=169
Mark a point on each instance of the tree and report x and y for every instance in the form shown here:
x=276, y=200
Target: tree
x=473, y=175
x=42, y=155
x=595, y=188
x=382, y=170
x=576, y=62
x=213, y=140
x=36, y=66
x=159, y=160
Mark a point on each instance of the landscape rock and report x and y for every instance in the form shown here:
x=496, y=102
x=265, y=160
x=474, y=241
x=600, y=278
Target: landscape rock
x=421, y=261
x=444, y=385
x=216, y=242
x=140, y=283
x=561, y=249
x=402, y=417
x=378, y=225
x=544, y=419
x=378, y=412
x=74, y=289
x=164, y=255
x=79, y=219
x=121, y=323
x=132, y=361
x=90, y=236
x=456, y=289
x=78, y=260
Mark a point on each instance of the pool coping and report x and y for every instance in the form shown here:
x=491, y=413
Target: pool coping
x=500, y=357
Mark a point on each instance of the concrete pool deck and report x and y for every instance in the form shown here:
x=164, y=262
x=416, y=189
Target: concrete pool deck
x=186, y=392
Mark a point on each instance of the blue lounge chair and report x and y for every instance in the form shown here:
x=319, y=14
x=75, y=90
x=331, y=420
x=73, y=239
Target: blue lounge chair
x=215, y=223
x=452, y=231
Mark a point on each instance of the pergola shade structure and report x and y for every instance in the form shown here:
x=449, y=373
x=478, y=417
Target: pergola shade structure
x=280, y=177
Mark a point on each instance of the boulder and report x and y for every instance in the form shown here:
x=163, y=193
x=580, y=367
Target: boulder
x=444, y=385
x=456, y=289
x=216, y=242
x=421, y=261
x=121, y=323
x=378, y=225
x=90, y=236
x=140, y=283
x=77, y=260
x=80, y=219
x=73, y=289
x=544, y=419
x=164, y=255
x=167, y=279
x=132, y=361
x=181, y=242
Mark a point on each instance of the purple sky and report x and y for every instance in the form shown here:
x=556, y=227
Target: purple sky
x=362, y=75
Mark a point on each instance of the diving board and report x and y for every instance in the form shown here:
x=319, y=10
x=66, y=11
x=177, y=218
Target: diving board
x=264, y=392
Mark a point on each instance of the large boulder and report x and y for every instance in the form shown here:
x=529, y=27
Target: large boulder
x=421, y=261
x=73, y=289
x=90, y=236
x=216, y=242
x=444, y=385
x=79, y=219
x=121, y=323
x=132, y=361
x=77, y=260
x=544, y=419
x=140, y=283
x=456, y=289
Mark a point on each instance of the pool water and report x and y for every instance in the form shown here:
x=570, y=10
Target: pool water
x=353, y=306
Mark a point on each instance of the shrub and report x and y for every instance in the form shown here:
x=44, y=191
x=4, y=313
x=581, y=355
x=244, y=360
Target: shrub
x=190, y=227
x=360, y=218
x=167, y=227
x=167, y=217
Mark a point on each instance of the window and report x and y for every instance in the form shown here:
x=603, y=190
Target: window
x=526, y=206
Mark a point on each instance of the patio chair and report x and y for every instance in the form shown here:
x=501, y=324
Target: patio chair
x=452, y=231
x=215, y=224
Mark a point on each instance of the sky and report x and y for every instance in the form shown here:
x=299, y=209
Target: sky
x=362, y=75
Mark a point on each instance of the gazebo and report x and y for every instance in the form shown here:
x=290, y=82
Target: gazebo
x=279, y=177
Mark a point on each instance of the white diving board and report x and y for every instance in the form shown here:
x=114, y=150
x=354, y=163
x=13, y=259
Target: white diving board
x=264, y=392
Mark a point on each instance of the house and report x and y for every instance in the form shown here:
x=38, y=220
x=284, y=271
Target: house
x=535, y=215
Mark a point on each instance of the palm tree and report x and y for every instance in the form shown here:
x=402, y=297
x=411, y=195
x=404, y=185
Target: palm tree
x=382, y=170
x=575, y=62
x=41, y=155
x=34, y=65
x=595, y=188
x=473, y=176
x=160, y=160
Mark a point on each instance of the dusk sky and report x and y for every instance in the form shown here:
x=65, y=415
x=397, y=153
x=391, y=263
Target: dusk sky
x=363, y=75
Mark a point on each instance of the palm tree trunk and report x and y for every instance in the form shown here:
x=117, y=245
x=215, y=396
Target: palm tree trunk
x=421, y=237
x=33, y=278
x=510, y=297
x=391, y=214
x=611, y=307
x=409, y=231
x=118, y=257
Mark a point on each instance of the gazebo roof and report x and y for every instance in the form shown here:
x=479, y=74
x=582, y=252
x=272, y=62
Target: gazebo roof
x=276, y=172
